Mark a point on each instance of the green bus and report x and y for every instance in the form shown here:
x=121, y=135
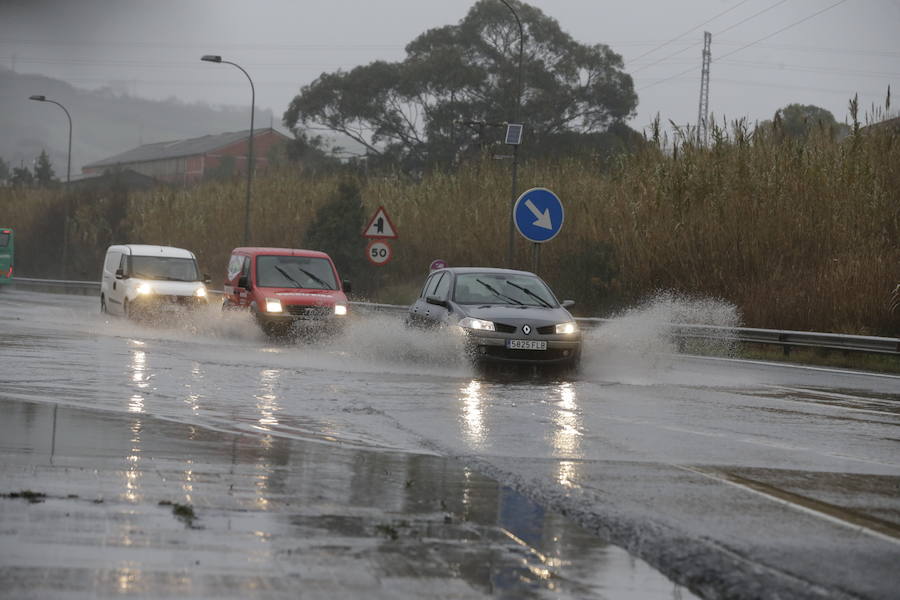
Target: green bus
x=7, y=252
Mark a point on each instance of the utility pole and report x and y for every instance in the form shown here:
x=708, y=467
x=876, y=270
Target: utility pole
x=703, y=111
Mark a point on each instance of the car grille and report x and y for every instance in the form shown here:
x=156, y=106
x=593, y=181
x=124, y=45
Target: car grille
x=504, y=328
x=180, y=300
x=309, y=312
x=547, y=329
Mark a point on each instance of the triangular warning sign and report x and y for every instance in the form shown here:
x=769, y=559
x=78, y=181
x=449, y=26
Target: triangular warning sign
x=380, y=226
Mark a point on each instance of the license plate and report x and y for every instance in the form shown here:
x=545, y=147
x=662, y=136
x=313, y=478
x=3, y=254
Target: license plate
x=526, y=345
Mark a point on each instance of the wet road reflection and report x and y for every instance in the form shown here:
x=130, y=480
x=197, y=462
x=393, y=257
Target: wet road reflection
x=354, y=521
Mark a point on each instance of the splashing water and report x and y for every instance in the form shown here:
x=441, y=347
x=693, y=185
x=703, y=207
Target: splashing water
x=643, y=339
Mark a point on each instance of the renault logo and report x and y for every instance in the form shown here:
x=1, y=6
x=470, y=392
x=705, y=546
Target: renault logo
x=526, y=329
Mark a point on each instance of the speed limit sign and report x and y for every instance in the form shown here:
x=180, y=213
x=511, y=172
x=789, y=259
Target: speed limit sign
x=379, y=252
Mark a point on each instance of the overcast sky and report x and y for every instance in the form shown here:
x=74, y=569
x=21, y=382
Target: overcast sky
x=151, y=48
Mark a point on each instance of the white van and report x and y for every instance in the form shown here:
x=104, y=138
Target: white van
x=140, y=279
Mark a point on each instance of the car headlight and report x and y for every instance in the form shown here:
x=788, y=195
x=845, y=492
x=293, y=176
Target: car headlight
x=144, y=289
x=273, y=305
x=478, y=324
x=566, y=328
x=340, y=310
x=200, y=292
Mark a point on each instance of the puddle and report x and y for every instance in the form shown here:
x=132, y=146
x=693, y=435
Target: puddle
x=271, y=514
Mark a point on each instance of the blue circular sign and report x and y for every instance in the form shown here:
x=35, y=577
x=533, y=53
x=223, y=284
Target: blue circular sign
x=539, y=215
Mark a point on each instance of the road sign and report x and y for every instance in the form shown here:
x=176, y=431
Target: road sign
x=538, y=214
x=437, y=264
x=380, y=226
x=379, y=252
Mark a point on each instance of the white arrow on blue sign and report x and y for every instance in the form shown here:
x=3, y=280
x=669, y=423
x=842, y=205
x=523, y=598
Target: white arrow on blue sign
x=539, y=215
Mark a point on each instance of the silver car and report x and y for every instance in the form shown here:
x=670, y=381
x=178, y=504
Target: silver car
x=506, y=315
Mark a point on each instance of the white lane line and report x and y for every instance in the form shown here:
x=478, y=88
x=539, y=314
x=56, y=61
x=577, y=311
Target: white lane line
x=887, y=532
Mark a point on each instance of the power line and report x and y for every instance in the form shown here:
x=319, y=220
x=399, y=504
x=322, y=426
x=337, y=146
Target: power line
x=753, y=16
x=741, y=22
x=785, y=28
x=675, y=39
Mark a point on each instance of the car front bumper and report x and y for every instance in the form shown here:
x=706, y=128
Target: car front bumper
x=165, y=303
x=493, y=348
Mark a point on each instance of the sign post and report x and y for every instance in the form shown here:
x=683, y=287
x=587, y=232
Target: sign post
x=379, y=230
x=538, y=215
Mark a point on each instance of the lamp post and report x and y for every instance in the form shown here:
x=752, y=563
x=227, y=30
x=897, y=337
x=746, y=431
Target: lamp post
x=65, y=252
x=218, y=59
x=515, y=166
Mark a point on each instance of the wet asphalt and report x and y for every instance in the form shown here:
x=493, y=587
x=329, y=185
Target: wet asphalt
x=199, y=459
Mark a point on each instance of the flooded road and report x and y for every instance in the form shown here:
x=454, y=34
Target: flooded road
x=379, y=464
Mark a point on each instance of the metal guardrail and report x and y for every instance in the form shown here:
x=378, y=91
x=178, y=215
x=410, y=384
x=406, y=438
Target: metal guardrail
x=785, y=338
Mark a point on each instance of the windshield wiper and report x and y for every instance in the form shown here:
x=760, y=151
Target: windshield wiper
x=496, y=293
x=288, y=275
x=530, y=293
x=315, y=278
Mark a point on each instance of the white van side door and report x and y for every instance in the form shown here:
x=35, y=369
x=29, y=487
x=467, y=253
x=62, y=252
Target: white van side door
x=117, y=287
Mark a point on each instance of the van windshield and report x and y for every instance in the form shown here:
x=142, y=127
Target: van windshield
x=301, y=272
x=163, y=267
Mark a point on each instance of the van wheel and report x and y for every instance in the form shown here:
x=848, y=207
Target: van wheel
x=102, y=305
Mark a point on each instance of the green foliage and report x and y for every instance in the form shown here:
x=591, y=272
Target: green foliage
x=336, y=230
x=312, y=153
x=798, y=121
x=43, y=171
x=412, y=114
x=21, y=177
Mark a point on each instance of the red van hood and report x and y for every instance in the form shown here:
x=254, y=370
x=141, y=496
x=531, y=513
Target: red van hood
x=292, y=296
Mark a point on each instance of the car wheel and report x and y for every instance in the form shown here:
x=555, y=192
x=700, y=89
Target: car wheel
x=102, y=305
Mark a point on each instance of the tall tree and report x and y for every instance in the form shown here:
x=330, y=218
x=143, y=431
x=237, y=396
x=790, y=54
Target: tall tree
x=21, y=177
x=797, y=121
x=43, y=170
x=4, y=171
x=457, y=80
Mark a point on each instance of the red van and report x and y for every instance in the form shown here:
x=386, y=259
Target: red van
x=287, y=289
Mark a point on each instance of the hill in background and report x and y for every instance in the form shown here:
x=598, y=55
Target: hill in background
x=103, y=123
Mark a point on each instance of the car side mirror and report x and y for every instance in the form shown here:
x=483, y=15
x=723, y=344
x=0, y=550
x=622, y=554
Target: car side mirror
x=347, y=287
x=120, y=274
x=437, y=301
x=568, y=303
x=242, y=282
x=207, y=279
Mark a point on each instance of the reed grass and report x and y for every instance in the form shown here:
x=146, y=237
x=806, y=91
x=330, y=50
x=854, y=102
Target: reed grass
x=797, y=234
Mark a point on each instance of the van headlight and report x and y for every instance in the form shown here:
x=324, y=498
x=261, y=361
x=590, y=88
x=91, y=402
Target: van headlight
x=144, y=289
x=273, y=305
x=340, y=310
x=566, y=328
x=477, y=324
x=200, y=292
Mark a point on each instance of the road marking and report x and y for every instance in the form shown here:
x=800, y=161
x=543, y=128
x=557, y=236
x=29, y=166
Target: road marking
x=882, y=530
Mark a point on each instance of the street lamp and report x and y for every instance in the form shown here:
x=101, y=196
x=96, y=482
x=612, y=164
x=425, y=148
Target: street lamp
x=41, y=98
x=515, y=166
x=214, y=58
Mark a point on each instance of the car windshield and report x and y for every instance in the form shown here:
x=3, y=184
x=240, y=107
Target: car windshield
x=502, y=288
x=163, y=267
x=302, y=272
